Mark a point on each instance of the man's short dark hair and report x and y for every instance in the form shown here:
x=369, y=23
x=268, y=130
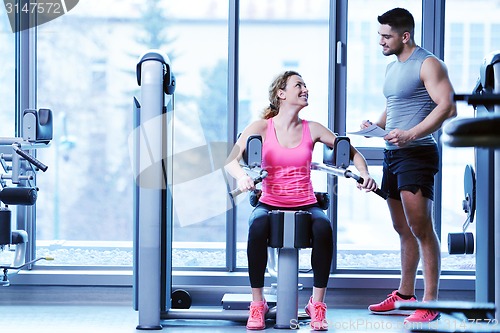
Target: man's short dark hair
x=399, y=19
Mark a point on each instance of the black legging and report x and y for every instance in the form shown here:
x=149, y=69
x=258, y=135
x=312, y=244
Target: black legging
x=258, y=234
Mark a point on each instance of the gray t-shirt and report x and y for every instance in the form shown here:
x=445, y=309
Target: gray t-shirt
x=408, y=102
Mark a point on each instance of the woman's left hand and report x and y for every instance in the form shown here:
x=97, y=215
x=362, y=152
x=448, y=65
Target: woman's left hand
x=369, y=183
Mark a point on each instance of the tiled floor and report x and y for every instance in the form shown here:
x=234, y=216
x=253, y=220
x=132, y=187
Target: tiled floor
x=74, y=310
x=123, y=319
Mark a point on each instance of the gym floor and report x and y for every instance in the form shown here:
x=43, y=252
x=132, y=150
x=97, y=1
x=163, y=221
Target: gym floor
x=107, y=309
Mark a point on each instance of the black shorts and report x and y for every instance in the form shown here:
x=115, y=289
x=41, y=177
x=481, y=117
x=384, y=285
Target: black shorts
x=410, y=169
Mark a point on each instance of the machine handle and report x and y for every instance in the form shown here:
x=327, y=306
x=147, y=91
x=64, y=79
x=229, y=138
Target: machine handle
x=345, y=173
x=360, y=180
x=30, y=158
x=263, y=174
x=322, y=167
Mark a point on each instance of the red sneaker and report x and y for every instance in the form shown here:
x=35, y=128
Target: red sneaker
x=387, y=306
x=317, y=312
x=257, y=317
x=422, y=316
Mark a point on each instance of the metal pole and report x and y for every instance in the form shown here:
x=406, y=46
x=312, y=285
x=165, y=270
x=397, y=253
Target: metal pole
x=288, y=265
x=151, y=182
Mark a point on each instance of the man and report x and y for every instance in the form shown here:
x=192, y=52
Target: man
x=418, y=100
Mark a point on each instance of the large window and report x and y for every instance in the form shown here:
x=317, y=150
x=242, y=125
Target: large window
x=86, y=61
x=273, y=40
x=86, y=75
x=366, y=238
x=200, y=53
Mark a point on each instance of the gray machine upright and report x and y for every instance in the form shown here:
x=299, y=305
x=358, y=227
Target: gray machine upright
x=495, y=65
x=488, y=185
x=152, y=144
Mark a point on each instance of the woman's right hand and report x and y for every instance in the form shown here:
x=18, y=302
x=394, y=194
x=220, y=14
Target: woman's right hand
x=246, y=183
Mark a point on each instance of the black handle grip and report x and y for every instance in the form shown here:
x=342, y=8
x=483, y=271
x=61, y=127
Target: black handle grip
x=263, y=174
x=381, y=194
x=30, y=158
x=378, y=191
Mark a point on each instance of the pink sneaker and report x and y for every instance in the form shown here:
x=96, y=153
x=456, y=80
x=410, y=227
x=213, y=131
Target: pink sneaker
x=387, y=306
x=422, y=316
x=317, y=312
x=257, y=317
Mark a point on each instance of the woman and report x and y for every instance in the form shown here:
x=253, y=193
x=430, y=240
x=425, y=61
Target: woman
x=288, y=143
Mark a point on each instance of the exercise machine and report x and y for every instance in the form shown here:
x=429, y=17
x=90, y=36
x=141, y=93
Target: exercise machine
x=481, y=133
x=154, y=298
x=19, y=167
x=290, y=230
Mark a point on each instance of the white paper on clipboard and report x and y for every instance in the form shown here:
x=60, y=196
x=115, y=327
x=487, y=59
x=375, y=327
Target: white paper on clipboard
x=371, y=131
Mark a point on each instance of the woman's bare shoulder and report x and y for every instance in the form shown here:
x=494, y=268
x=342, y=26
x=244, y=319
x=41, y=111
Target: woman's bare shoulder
x=319, y=132
x=316, y=127
x=258, y=127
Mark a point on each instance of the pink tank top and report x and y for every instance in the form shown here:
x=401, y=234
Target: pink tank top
x=288, y=183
